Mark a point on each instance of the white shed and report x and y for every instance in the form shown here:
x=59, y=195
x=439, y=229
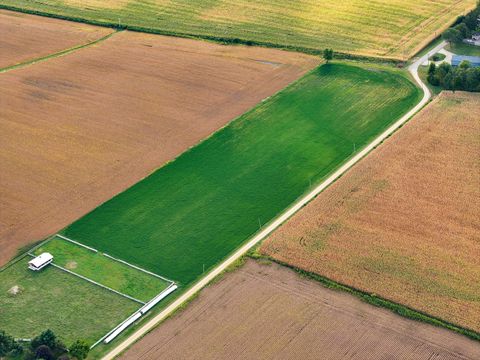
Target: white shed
x=40, y=261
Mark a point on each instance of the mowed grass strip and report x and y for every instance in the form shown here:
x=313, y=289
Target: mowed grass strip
x=101, y=269
x=193, y=212
x=52, y=299
x=385, y=28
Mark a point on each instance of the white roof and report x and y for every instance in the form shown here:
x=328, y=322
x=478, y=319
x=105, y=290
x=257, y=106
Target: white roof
x=41, y=259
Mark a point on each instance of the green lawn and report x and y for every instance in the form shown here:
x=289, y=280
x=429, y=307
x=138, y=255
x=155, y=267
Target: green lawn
x=103, y=270
x=464, y=49
x=52, y=299
x=387, y=28
x=197, y=209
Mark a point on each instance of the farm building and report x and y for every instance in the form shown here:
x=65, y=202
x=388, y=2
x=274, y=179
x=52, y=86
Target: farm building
x=473, y=60
x=40, y=261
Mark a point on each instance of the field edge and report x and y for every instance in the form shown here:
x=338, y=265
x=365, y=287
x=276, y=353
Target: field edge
x=372, y=298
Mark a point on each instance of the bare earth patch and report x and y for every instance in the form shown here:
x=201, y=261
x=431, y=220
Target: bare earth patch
x=404, y=223
x=71, y=265
x=15, y=290
x=26, y=37
x=78, y=129
x=269, y=312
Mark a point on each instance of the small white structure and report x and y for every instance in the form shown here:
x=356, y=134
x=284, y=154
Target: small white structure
x=40, y=261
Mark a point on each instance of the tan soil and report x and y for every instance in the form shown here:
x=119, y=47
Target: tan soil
x=405, y=222
x=269, y=312
x=71, y=265
x=26, y=37
x=14, y=290
x=78, y=129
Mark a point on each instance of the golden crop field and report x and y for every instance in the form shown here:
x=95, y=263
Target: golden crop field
x=381, y=28
x=403, y=224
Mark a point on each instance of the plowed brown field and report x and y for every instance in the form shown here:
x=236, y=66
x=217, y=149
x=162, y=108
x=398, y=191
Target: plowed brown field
x=269, y=312
x=78, y=129
x=405, y=222
x=26, y=37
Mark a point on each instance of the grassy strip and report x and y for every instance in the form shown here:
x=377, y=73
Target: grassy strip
x=373, y=299
x=54, y=55
x=217, y=39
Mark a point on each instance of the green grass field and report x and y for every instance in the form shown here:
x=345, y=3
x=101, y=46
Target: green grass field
x=386, y=28
x=52, y=299
x=196, y=210
x=103, y=270
x=464, y=49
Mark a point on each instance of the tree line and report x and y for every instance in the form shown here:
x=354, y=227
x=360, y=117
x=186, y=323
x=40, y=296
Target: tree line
x=45, y=346
x=466, y=26
x=463, y=77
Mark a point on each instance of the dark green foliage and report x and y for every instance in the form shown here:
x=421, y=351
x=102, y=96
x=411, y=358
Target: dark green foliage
x=464, y=28
x=452, y=35
x=432, y=79
x=44, y=352
x=471, y=19
x=6, y=343
x=463, y=77
x=328, y=54
x=47, y=338
x=437, y=57
x=79, y=350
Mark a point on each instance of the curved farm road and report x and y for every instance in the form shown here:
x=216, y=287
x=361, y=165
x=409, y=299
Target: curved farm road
x=413, y=69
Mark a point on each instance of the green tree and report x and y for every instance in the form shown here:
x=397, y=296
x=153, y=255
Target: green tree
x=6, y=343
x=79, y=350
x=328, y=54
x=47, y=338
x=463, y=30
x=465, y=64
x=452, y=35
x=431, y=78
x=44, y=352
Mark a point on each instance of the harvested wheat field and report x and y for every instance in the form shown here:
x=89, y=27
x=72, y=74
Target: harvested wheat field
x=78, y=129
x=269, y=312
x=404, y=223
x=26, y=37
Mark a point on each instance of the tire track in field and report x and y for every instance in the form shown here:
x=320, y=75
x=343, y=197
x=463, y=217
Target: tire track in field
x=57, y=54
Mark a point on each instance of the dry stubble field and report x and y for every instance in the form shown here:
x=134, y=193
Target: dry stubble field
x=404, y=223
x=78, y=129
x=269, y=312
x=26, y=37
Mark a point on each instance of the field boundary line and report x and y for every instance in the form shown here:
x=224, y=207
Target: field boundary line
x=285, y=215
x=93, y=282
x=57, y=54
x=139, y=268
x=77, y=243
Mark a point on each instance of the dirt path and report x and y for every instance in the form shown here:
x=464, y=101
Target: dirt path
x=270, y=312
x=268, y=229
